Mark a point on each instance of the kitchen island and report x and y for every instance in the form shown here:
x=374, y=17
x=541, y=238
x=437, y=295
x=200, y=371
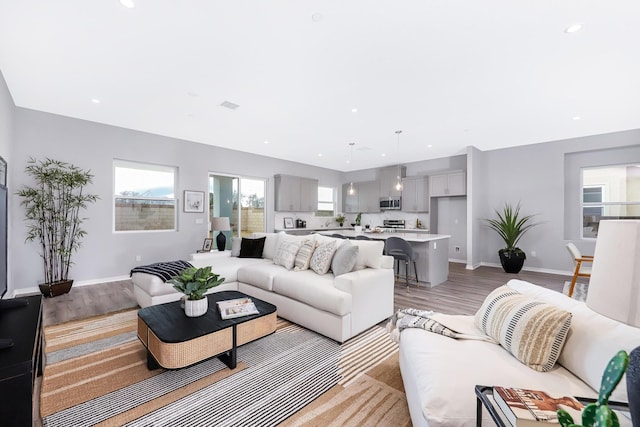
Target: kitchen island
x=432, y=252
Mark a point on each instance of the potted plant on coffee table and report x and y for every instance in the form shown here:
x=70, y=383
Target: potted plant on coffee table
x=194, y=283
x=52, y=209
x=511, y=226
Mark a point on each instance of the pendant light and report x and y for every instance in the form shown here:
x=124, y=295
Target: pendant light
x=398, y=186
x=352, y=190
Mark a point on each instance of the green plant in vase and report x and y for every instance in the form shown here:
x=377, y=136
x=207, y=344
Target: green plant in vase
x=358, y=218
x=598, y=414
x=340, y=219
x=194, y=283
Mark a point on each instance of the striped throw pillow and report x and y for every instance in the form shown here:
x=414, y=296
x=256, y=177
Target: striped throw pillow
x=532, y=331
x=303, y=257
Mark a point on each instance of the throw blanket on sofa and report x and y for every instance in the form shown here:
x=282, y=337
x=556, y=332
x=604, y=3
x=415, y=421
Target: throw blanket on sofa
x=431, y=322
x=163, y=270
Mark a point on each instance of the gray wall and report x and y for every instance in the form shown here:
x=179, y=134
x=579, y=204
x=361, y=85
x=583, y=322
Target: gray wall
x=104, y=254
x=7, y=109
x=536, y=175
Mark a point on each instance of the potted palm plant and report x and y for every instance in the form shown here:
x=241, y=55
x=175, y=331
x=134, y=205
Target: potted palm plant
x=511, y=226
x=52, y=209
x=194, y=283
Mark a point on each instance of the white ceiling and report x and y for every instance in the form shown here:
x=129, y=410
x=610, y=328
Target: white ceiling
x=449, y=74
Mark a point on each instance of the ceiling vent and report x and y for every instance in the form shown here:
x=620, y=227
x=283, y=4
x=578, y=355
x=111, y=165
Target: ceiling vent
x=229, y=105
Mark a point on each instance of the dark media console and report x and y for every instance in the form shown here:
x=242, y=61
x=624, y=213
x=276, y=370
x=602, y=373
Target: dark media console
x=20, y=364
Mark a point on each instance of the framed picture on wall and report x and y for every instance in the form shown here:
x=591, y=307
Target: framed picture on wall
x=193, y=201
x=288, y=222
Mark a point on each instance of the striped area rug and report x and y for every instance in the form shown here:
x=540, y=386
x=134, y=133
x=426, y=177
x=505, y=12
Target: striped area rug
x=96, y=374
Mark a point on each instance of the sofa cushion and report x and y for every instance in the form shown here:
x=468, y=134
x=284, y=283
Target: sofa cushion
x=303, y=257
x=532, y=331
x=251, y=248
x=322, y=256
x=270, y=243
x=592, y=340
x=369, y=253
x=313, y=289
x=260, y=275
x=286, y=253
x=344, y=259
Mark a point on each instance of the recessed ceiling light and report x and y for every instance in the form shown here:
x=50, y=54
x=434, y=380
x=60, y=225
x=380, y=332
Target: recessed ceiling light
x=573, y=28
x=576, y=118
x=383, y=155
x=95, y=100
x=429, y=145
x=317, y=17
x=127, y=3
x=266, y=142
x=354, y=110
x=319, y=154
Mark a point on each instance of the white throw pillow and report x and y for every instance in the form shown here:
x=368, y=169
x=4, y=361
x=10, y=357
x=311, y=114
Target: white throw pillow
x=286, y=253
x=322, y=256
x=236, y=243
x=345, y=258
x=303, y=257
x=270, y=243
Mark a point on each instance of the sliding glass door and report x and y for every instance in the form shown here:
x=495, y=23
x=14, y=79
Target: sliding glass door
x=240, y=199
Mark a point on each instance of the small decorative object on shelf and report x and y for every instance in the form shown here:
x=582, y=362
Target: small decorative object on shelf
x=599, y=413
x=237, y=308
x=194, y=283
x=340, y=219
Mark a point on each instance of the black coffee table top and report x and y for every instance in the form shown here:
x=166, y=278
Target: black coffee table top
x=171, y=325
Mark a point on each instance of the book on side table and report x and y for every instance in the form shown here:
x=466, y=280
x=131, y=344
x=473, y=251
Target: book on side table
x=239, y=307
x=524, y=407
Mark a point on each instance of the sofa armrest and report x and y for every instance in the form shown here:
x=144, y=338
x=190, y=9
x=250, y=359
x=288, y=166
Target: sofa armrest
x=372, y=296
x=387, y=262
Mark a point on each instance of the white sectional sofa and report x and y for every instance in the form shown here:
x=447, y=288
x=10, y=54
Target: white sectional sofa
x=440, y=373
x=338, y=307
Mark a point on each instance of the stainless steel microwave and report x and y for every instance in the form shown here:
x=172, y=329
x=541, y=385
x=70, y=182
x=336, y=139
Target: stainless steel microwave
x=389, y=203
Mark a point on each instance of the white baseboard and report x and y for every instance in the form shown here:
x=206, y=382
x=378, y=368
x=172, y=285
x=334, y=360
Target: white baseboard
x=23, y=292
x=536, y=269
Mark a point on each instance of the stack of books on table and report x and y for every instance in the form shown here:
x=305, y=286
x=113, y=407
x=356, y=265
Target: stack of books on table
x=239, y=307
x=524, y=407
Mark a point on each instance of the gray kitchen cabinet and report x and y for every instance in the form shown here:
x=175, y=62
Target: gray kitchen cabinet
x=295, y=194
x=415, y=194
x=448, y=184
x=388, y=177
x=364, y=198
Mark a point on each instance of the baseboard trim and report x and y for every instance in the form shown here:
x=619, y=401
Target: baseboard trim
x=534, y=269
x=23, y=292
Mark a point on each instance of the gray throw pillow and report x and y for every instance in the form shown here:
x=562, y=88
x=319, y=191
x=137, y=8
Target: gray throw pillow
x=345, y=258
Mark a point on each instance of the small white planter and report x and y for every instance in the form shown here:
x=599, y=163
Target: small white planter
x=358, y=229
x=195, y=308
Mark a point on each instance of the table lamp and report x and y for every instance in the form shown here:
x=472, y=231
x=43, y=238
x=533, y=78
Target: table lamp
x=614, y=289
x=220, y=224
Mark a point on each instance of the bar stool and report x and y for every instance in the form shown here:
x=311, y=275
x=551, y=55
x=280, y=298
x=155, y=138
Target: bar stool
x=361, y=237
x=401, y=250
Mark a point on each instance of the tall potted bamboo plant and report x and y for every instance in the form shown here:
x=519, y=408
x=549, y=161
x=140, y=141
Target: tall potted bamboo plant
x=52, y=209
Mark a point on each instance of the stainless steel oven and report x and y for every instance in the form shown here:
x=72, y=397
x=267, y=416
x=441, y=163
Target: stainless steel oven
x=390, y=203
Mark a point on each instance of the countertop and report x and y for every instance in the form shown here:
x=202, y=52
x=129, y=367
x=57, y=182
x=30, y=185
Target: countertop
x=408, y=236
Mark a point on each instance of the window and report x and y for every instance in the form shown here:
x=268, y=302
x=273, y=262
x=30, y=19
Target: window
x=144, y=197
x=240, y=199
x=610, y=192
x=326, y=201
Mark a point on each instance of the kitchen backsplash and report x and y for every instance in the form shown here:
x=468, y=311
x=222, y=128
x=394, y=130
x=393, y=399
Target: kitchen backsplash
x=371, y=219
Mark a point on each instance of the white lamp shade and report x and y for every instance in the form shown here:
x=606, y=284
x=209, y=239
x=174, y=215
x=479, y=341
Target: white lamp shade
x=220, y=223
x=614, y=287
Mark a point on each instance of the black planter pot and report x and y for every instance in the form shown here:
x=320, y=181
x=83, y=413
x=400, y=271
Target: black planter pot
x=512, y=261
x=633, y=385
x=54, y=289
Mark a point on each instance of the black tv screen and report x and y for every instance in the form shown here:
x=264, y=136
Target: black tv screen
x=3, y=240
